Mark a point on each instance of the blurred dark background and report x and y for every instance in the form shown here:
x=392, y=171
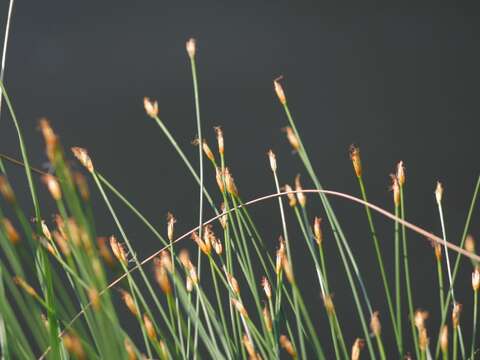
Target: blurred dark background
x=399, y=81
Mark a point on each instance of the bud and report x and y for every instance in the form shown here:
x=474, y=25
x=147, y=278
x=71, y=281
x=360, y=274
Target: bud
x=470, y=244
x=267, y=318
x=292, y=138
x=292, y=199
x=53, y=186
x=118, y=250
x=149, y=328
x=302, y=199
x=191, y=48
x=266, y=287
x=231, y=187
x=273, y=160
x=401, y=174
x=82, y=155
x=375, y=325
x=476, y=279
x=317, y=230
x=457, y=310
x=279, y=91
x=219, y=178
x=439, y=192
x=170, y=226
x=287, y=269
x=10, y=231
x=396, y=191
x=129, y=302
x=6, y=190
x=280, y=256
x=130, y=350
x=25, y=286
x=287, y=345
x=94, y=298
x=219, y=132
x=357, y=348
x=51, y=140
x=444, y=339
x=74, y=346
x=328, y=302
x=82, y=185
x=356, y=162
x=240, y=308
x=419, y=319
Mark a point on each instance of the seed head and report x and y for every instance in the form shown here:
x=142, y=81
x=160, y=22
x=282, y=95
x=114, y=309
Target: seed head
x=273, y=160
x=302, y=199
x=438, y=251
x=249, y=346
x=118, y=250
x=317, y=230
x=217, y=246
x=53, y=186
x=62, y=243
x=287, y=345
x=10, y=231
x=189, y=284
x=279, y=91
x=266, y=287
x=74, y=346
x=130, y=350
x=51, y=139
x=287, y=269
x=419, y=318
x=401, y=174
x=191, y=48
x=82, y=185
x=357, y=348
x=163, y=350
x=375, y=324
x=224, y=218
x=104, y=252
x=220, y=141
x=240, y=308
x=46, y=231
x=184, y=258
x=149, y=328
x=6, y=190
x=329, y=306
x=25, y=286
x=457, y=310
x=280, y=256
x=82, y=155
x=395, y=190
x=170, y=226
x=267, y=318
x=423, y=339
x=470, y=244
x=206, y=248
x=476, y=279
x=292, y=199
x=151, y=107
x=439, y=192
x=192, y=273
x=232, y=282
x=129, y=302
x=292, y=138
x=206, y=149
x=444, y=339
x=94, y=298
x=356, y=162
x=162, y=277
x=231, y=187
x=219, y=178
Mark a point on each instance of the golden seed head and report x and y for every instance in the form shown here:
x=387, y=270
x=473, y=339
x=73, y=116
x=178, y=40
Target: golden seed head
x=266, y=287
x=220, y=140
x=94, y=298
x=206, y=248
x=279, y=91
x=439, y=192
x=25, y=286
x=51, y=139
x=219, y=178
x=6, y=190
x=170, y=226
x=230, y=182
x=184, y=258
x=302, y=199
x=248, y=345
x=192, y=273
x=82, y=185
x=375, y=324
x=267, y=318
x=287, y=269
x=130, y=350
x=329, y=306
x=357, y=348
x=224, y=218
x=162, y=277
x=61, y=242
x=280, y=256
x=53, y=186
x=191, y=48
x=419, y=318
x=118, y=250
x=292, y=138
x=82, y=155
x=470, y=244
x=104, y=252
x=401, y=174
x=395, y=190
x=12, y=234
x=476, y=279
x=232, y=282
x=457, y=310
x=129, y=303
x=151, y=107
x=444, y=339
x=74, y=346
x=273, y=160
x=356, y=162
x=287, y=345
x=240, y=308
x=206, y=150
x=423, y=339
x=438, y=251
x=149, y=328
x=218, y=247
x=317, y=230
x=292, y=199
x=166, y=260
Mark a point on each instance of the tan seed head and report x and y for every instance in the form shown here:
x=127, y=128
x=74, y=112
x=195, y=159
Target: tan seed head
x=356, y=161
x=191, y=48
x=82, y=155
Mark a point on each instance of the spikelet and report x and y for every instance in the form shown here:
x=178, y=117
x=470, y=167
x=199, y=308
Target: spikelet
x=273, y=160
x=329, y=306
x=375, y=324
x=25, y=286
x=292, y=138
x=82, y=185
x=184, y=258
x=6, y=190
x=395, y=190
x=189, y=284
x=302, y=199
x=162, y=277
x=53, y=186
x=287, y=269
x=267, y=318
x=248, y=346
x=292, y=199
x=94, y=298
x=166, y=260
x=279, y=90
x=151, y=107
x=444, y=339
x=423, y=339
x=206, y=248
x=457, y=310
x=230, y=183
x=104, y=252
x=82, y=155
x=317, y=230
x=46, y=231
x=62, y=243
x=149, y=328
x=287, y=345
x=130, y=349
x=219, y=179
x=267, y=289
x=118, y=250
x=191, y=47
x=470, y=244
x=401, y=174
x=232, y=281
x=217, y=246
x=476, y=279
x=240, y=308
x=129, y=302
x=438, y=251
x=74, y=346
x=170, y=226
x=356, y=161
x=357, y=348
x=10, y=231
x=419, y=318
x=192, y=274
x=206, y=149
x=220, y=140
x=280, y=256
x=439, y=192
x=51, y=139
x=224, y=218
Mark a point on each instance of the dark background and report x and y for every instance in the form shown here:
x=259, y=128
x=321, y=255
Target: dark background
x=399, y=81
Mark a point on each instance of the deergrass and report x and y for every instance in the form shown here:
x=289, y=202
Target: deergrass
x=66, y=293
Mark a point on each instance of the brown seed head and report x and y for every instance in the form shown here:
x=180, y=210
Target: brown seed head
x=292, y=138
x=302, y=199
x=224, y=218
x=375, y=324
x=6, y=190
x=439, y=192
x=280, y=256
x=273, y=160
x=266, y=287
x=151, y=107
x=444, y=339
x=287, y=269
x=329, y=306
x=10, y=231
x=82, y=155
x=220, y=141
x=438, y=251
x=357, y=348
x=267, y=318
x=191, y=48
x=130, y=350
x=149, y=328
x=287, y=345
x=219, y=178
x=25, y=286
x=118, y=250
x=46, y=231
x=317, y=230
x=129, y=302
x=240, y=308
x=162, y=277
x=292, y=199
x=74, y=346
x=51, y=139
x=401, y=174
x=230, y=182
x=206, y=248
x=94, y=298
x=457, y=310
x=217, y=246
x=248, y=346
x=423, y=339
x=232, y=282
x=53, y=186
x=104, y=251
x=395, y=190
x=419, y=318
x=170, y=226
x=476, y=279
x=356, y=162
x=470, y=244
x=184, y=258
x=166, y=260
x=279, y=91
x=82, y=185
x=206, y=150
x=62, y=243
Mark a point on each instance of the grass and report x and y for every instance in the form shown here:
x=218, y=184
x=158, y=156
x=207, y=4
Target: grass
x=66, y=292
